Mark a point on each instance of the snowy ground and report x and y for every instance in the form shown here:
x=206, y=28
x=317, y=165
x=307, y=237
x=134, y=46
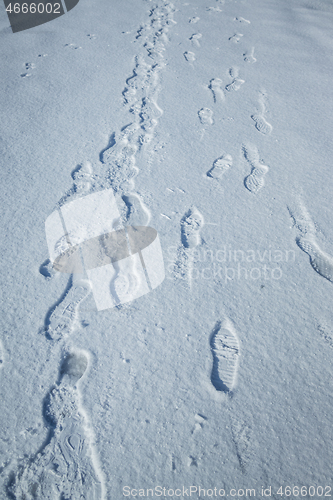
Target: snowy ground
x=221, y=377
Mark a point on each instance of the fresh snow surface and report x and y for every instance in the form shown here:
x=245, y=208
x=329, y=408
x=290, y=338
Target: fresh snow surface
x=211, y=121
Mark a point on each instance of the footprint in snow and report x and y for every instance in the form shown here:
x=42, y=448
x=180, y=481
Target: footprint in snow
x=225, y=351
x=242, y=20
x=190, y=228
x=63, y=318
x=194, y=20
x=66, y=467
x=215, y=86
x=234, y=85
x=73, y=368
x=320, y=261
x=256, y=180
x=214, y=9
x=189, y=56
x=206, y=116
x=195, y=39
x=236, y=37
x=72, y=46
x=236, y=82
x=191, y=225
x=220, y=166
x=249, y=56
x=199, y=421
x=137, y=214
x=28, y=66
x=46, y=270
x=251, y=154
x=259, y=119
x=82, y=177
x=242, y=436
x=262, y=124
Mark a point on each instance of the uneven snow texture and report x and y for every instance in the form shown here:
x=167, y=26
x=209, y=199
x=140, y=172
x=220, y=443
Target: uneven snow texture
x=210, y=120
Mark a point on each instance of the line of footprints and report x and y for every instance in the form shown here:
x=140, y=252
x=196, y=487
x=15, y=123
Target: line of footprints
x=68, y=465
x=216, y=84
x=224, y=341
x=256, y=178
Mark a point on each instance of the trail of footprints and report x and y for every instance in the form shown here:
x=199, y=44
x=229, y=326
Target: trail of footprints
x=140, y=97
x=215, y=85
x=225, y=349
x=224, y=341
x=29, y=66
x=255, y=180
x=67, y=466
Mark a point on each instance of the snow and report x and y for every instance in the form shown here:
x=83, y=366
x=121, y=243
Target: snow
x=210, y=121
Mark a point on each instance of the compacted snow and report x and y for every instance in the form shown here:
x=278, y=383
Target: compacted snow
x=211, y=122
